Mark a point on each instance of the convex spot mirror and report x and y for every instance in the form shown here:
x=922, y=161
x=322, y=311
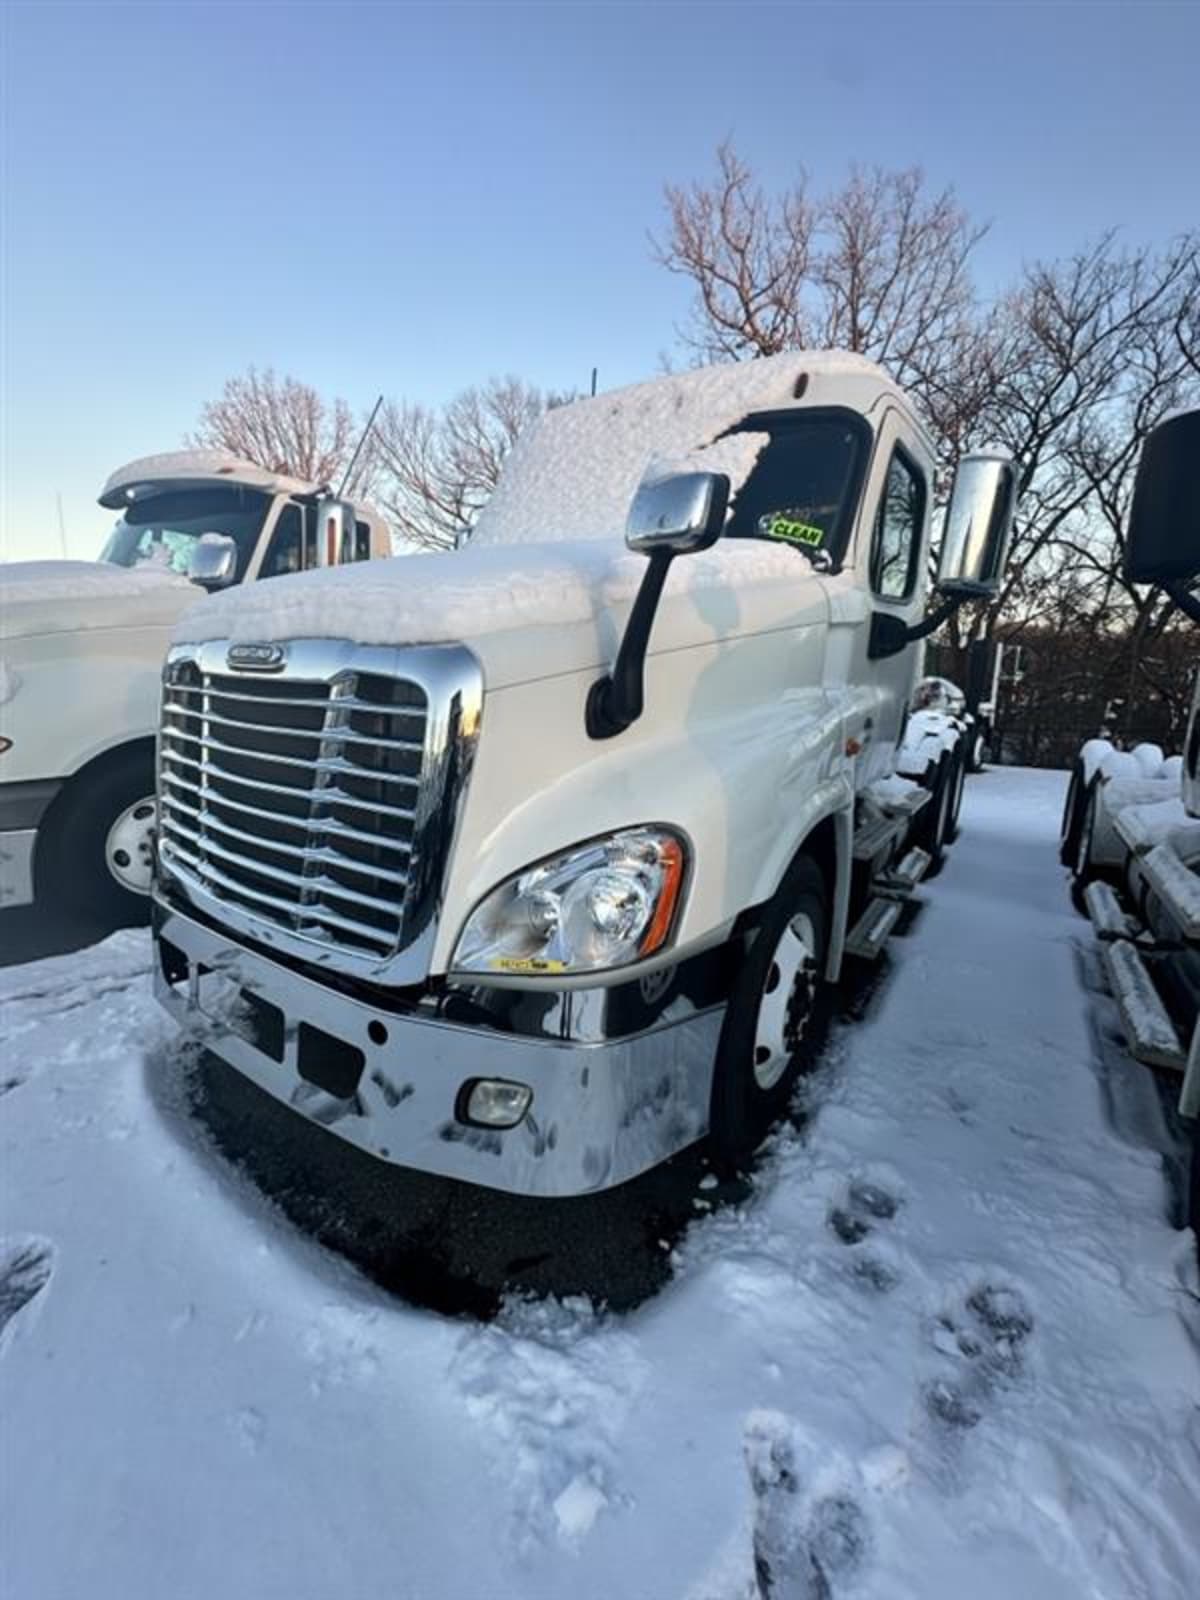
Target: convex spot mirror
x=679, y=513
x=1163, y=543
x=978, y=526
x=213, y=563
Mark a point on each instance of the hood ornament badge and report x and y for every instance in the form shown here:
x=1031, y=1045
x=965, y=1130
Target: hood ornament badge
x=256, y=657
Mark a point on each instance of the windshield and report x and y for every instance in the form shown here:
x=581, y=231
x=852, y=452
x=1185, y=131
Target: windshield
x=162, y=530
x=804, y=487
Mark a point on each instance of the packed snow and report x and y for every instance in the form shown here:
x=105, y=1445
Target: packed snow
x=48, y=582
x=948, y=1345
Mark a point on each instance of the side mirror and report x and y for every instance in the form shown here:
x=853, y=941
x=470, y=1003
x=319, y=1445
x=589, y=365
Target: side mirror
x=335, y=532
x=978, y=525
x=1163, y=541
x=680, y=513
x=213, y=563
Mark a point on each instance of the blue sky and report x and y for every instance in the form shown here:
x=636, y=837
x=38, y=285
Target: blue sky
x=412, y=197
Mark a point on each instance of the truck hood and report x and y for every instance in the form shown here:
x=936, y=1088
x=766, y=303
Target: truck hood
x=528, y=611
x=39, y=597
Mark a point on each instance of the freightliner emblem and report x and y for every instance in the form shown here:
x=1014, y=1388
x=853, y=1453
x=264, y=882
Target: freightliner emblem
x=256, y=657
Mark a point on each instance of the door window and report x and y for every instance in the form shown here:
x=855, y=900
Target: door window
x=286, y=553
x=897, y=544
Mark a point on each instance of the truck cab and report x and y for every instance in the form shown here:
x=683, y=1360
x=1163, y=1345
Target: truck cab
x=535, y=869
x=81, y=647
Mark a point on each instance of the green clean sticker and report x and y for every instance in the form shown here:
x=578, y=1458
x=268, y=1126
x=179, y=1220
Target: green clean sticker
x=780, y=526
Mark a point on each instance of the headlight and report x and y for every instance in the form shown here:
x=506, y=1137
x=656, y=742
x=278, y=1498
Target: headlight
x=601, y=905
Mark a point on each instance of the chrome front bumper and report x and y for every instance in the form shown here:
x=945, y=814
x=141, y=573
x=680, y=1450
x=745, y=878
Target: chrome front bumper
x=601, y=1113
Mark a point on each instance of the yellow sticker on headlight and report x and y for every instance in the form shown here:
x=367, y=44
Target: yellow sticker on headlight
x=526, y=964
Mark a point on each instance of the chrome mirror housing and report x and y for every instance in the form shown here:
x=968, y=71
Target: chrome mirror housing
x=213, y=563
x=978, y=526
x=679, y=513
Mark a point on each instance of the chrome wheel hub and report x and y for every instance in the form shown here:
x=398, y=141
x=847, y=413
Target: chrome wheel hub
x=129, y=848
x=785, y=1009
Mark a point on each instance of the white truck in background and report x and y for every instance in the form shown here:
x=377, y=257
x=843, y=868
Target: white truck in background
x=81, y=651
x=530, y=865
x=1133, y=823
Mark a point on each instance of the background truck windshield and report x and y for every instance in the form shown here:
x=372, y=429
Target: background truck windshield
x=804, y=487
x=162, y=530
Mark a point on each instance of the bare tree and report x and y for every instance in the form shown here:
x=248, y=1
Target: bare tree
x=1069, y=371
x=433, y=470
x=281, y=424
x=879, y=267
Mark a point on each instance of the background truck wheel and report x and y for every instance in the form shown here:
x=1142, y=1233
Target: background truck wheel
x=958, y=782
x=775, y=1022
x=933, y=821
x=1072, y=819
x=1082, y=871
x=95, y=854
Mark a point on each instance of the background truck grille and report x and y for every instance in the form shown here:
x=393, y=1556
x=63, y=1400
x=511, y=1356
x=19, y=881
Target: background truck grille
x=295, y=800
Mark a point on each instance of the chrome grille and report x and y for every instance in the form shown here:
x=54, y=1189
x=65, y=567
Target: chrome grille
x=299, y=801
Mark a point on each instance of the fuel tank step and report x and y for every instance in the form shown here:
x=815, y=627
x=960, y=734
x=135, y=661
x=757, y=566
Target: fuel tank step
x=1177, y=885
x=1103, y=907
x=1151, y=1034
x=870, y=933
x=907, y=874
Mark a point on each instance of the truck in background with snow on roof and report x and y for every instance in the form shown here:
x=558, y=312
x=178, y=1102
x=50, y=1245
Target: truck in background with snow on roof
x=81, y=651
x=534, y=868
x=1136, y=857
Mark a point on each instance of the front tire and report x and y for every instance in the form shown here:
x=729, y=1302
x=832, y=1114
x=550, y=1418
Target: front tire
x=775, y=1022
x=933, y=823
x=95, y=854
x=958, y=784
x=1082, y=870
x=1072, y=818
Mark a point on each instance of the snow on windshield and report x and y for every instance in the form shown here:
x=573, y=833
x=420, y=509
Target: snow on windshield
x=574, y=474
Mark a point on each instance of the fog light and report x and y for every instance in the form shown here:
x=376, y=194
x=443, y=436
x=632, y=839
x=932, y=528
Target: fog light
x=494, y=1103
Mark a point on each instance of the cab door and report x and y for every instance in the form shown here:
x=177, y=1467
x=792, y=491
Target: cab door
x=884, y=574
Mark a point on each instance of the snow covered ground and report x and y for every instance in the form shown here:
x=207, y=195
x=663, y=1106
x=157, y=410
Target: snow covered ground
x=950, y=1345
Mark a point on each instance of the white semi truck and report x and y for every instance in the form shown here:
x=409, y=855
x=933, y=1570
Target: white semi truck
x=81, y=651
x=1136, y=849
x=532, y=869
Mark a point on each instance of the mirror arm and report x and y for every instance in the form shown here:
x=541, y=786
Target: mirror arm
x=1183, y=597
x=922, y=630
x=615, y=701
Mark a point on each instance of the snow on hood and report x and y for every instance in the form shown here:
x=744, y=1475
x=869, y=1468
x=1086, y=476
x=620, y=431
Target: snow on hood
x=62, y=596
x=528, y=612
x=573, y=475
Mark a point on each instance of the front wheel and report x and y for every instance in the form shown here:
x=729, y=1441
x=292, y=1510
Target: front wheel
x=933, y=822
x=1082, y=870
x=958, y=784
x=774, y=1024
x=96, y=854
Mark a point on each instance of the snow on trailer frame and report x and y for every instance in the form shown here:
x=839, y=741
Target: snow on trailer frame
x=1131, y=823
x=578, y=911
